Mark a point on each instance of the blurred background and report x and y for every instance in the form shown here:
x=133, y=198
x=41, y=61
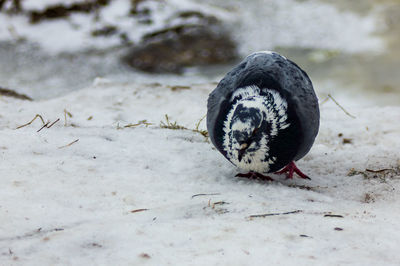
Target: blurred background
x=48, y=48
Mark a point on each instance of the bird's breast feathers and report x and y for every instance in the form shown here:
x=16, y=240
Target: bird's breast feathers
x=273, y=110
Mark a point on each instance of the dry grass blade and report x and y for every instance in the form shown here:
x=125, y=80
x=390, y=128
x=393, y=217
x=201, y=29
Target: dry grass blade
x=202, y=132
x=205, y=194
x=138, y=210
x=378, y=171
x=324, y=100
x=178, y=88
x=47, y=125
x=333, y=215
x=30, y=122
x=35, y=233
x=218, y=203
x=382, y=174
x=168, y=124
x=141, y=122
x=66, y=113
x=273, y=214
x=198, y=123
x=174, y=125
x=69, y=144
x=336, y=102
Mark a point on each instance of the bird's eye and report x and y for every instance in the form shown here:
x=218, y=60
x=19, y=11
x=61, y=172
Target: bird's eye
x=254, y=132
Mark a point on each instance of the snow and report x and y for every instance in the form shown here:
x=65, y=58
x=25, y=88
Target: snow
x=280, y=23
x=80, y=204
x=77, y=28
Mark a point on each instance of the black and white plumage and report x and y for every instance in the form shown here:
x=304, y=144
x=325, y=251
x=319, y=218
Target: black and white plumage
x=264, y=115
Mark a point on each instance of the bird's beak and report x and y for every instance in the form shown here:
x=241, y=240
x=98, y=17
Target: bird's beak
x=242, y=150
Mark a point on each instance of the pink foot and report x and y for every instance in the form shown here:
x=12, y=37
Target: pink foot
x=290, y=169
x=254, y=175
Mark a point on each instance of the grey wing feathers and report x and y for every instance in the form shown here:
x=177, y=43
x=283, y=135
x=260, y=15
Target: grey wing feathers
x=219, y=97
x=216, y=100
x=213, y=104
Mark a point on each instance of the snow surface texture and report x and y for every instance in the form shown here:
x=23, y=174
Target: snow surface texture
x=82, y=204
x=256, y=25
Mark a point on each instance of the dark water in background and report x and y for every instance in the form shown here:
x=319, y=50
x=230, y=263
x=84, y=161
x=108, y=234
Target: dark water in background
x=369, y=73
x=29, y=70
x=373, y=75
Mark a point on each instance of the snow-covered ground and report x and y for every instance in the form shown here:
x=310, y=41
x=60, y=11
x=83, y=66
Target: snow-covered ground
x=146, y=195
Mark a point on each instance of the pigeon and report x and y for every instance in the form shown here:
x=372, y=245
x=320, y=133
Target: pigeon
x=264, y=115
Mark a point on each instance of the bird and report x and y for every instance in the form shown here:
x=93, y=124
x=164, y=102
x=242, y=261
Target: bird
x=264, y=115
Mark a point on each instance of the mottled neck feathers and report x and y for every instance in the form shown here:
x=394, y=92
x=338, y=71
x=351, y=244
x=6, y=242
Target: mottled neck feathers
x=254, y=120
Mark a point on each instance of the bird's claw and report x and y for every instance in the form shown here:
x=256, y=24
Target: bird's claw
x=290, y=169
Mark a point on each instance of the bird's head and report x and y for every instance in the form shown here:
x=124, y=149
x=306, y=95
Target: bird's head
x=251, y=124
x=246, y=129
